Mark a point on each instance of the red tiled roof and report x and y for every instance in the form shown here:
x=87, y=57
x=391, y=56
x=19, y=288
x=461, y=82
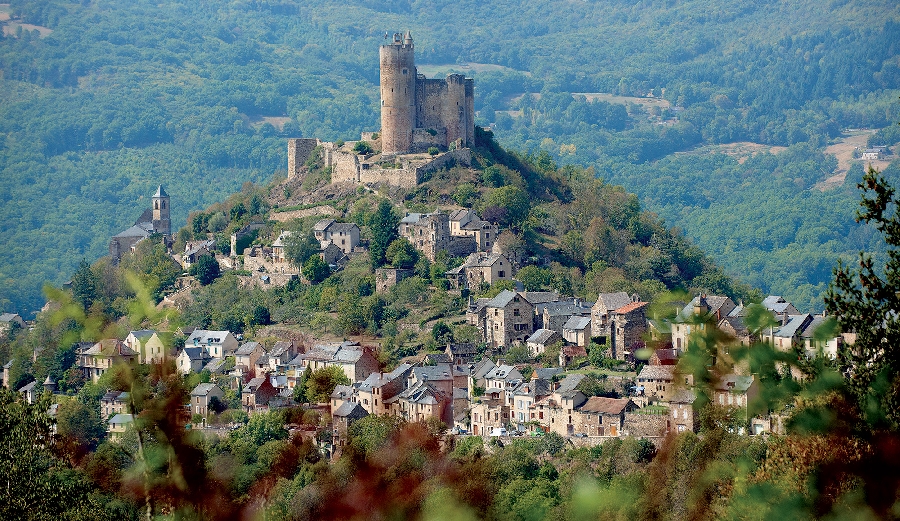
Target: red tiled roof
x=630, y=307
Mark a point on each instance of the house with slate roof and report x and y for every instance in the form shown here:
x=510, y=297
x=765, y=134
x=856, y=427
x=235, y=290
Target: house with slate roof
x=201, y=397
x=713, y=307
x=657, y=383
x=735, y=390
x=102, y=355
x=542, y=338
x=508, y=319
x=148, y=345
x=118, y=425
x=601, y=312
x=373, y=392
x=343, y=235
x=682, y=416
x=257, y=393
x=112, y=403
x=784, y=338
x=193, y=250
x=421, y=401
x=523, y=398
x=779, y=307
x=8, y=321
x=246, y=356
x=480, y=268
x=356, y=361
x=461, y=353
x=466, y=223
x=218, y=344
x=31, y=391
x=577, y=330
x=553, y=315
x=192, y=360
x=341, y=420
x=558, y=411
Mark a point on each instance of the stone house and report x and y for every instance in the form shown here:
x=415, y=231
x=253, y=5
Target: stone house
x=554, y=314
x=246, y=356
x=735, y=390
x=112, y=403
x=599, y=416
x=502, y=378
x=356, y=361
x=558, y=411
x=812, y=347
x=257, y=393
x=218, y=344
x=508, y=319
x=466, y=223
x=601, y=312
x=6, y=367
x=341, y=394
x=201, y=397
x=480, y=268
x=386, y=278
x=542, y=338
x=569, y=353
x=341, y=419
x=663, y=356
x=148, y=345
x=629, y=328
x=713, y=307
x=461, y=353
x=343, y=235
x=737, y=329
x=99, y=358
x=9, y=321
x=422, y=401
x=430, y=233
x=379, y=387
x=658, y=383
x=682, y=416
x=577, y=330
x=487, y=415
x=193, y=250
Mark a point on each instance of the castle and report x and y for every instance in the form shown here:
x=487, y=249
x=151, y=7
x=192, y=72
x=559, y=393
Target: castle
x=418, y=115
x=155, y=219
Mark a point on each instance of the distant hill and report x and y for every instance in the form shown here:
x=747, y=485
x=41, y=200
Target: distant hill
x=103, y=101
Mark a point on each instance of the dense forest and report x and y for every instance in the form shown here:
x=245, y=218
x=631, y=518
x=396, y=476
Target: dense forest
x=105, y=100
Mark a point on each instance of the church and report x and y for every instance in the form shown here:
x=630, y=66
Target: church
x=154, y=220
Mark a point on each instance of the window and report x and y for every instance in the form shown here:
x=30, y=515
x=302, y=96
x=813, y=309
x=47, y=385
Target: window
x=502, y=273
x=515, y=311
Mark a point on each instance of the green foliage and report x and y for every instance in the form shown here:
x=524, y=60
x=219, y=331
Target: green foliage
x=371, y=433
x=508, y=205
x=315, y=269
x=206, y=269
x=518, y=354
x=865, y=300
x=401, y=254
x=383, y=226
x=322, y=382
x=362, y=147
x=300, y=246
x=262, y=428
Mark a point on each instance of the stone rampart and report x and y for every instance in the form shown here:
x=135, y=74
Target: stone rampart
x=299, y=150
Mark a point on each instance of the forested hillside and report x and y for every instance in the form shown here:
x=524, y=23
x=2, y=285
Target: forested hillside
x=105, y=100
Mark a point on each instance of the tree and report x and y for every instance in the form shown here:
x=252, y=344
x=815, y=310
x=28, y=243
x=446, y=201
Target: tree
x=867, y=302
x=315, y=269
x=401, y=254
x=384, y=231
x=362, y=147
x=300, y=389
x=323, y=381
x=513, y=200
x=441, y=333
x=79, y=427
x=84, y=285
x=206, y=269
x=298, y=247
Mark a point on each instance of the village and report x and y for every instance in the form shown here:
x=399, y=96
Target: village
x=469, y=388
x=532, y=369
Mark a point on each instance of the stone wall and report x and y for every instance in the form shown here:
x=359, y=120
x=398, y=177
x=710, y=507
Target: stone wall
x=645, y=425
x=299, y=150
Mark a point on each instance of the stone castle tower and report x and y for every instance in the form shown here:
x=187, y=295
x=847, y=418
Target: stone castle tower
x=417, y=113
x=398, y=95
x=161, y=221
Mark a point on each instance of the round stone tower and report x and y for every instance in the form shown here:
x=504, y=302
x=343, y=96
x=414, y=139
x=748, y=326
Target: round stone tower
x=398, y=98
